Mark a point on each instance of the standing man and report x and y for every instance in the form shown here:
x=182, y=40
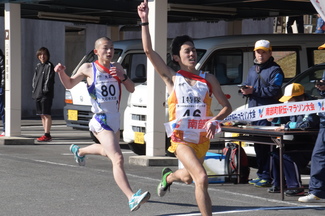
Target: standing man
x=104, y=79
x=2, y=91
x=317, y=168
x=43, y=91
x=191, y=121
x=319, y=25
x=263, y=87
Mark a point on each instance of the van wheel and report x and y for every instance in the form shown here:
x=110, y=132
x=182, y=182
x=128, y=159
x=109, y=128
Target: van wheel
x=139, y=149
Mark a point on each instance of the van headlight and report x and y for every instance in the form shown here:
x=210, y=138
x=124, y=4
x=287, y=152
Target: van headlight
x=128, y=104
x=68, y=97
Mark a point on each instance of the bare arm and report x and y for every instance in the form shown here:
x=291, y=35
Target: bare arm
x=160, y=66
x=223, y=101
x=221, y=98
x=70, y=82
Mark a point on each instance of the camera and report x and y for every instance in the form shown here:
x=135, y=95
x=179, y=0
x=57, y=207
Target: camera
x=242, y=86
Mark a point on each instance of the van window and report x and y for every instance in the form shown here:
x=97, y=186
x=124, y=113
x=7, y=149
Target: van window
x=315, y=56
x=288, y=62
x=135, y=65
x=226, y=65
x=306, y=79
x=91, y=57
x=319, y=56
x=117, y=54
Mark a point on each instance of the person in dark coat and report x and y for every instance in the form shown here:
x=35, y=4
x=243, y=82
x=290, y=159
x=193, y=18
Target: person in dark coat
x=317, y=168
x=263, y=87
x=43, y=91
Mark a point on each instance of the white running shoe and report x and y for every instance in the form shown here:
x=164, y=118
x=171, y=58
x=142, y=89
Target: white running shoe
x=138, y=199
x=310, y=198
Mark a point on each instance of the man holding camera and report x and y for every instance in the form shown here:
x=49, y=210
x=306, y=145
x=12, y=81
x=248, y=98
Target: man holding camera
x=263, y=87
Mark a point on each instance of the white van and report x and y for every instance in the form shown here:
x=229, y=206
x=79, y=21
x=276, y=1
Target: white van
x=129, y=53
x=229, y=58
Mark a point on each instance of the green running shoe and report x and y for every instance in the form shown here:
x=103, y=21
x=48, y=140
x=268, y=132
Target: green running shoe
x=163, y=185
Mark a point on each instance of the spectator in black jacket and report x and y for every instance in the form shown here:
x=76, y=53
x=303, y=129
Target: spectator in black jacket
x=43, y=91
x=2, y=91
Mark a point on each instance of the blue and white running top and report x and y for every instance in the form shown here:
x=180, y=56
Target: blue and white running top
x=105, y=98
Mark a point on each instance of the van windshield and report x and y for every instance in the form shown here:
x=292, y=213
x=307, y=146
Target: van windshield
x=91, y=57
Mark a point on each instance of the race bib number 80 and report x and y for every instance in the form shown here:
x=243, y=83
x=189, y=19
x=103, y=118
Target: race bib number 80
x=108, y=92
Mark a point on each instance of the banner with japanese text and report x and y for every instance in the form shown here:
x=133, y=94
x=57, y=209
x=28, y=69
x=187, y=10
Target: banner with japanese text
x=277, y=110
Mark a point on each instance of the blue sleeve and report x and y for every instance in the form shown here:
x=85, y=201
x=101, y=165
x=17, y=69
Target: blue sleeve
x=310, y=121
x=275, y=80
x=292, y=125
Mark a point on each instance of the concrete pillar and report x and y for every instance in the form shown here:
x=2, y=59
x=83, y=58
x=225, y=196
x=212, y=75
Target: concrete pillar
x=155, y=145
x=13, y=69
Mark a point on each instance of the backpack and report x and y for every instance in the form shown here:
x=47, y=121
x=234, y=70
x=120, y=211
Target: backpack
x=231, y=163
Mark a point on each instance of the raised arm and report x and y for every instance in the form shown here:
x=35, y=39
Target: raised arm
x=70, y=82
x=160, y=66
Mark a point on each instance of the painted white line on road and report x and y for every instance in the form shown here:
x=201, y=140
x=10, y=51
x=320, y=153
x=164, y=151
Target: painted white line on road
x=54, y=163
x=40, y=126
x=254, y=209
x=70, y=154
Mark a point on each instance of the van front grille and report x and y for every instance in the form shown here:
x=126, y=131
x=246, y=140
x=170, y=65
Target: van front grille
x=139, y=129
x=137, y=117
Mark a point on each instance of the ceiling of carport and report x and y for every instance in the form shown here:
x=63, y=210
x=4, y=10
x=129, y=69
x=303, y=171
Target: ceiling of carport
x=123, y=12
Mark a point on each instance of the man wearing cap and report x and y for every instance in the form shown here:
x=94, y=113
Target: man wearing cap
x=298, y=148
x=263, y=87
x=317, y=169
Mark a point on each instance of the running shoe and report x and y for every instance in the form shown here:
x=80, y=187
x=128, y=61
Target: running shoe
x=295, y=192
x=138, y=199
x=254, y=181
x=163, y=185
x=263, y=183
x=310, y=198
x=44, y=139
x=81, y=160
x=274, y=189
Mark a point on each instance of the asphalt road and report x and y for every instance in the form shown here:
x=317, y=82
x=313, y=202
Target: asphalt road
x=43, y=179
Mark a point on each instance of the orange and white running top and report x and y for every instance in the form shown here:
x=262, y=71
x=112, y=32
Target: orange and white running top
x=189, y=109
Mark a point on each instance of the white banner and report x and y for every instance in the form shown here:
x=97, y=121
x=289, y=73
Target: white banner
x=277, y=110
x=319, y=5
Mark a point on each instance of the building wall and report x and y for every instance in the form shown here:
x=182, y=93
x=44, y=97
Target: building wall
x=206, y=29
